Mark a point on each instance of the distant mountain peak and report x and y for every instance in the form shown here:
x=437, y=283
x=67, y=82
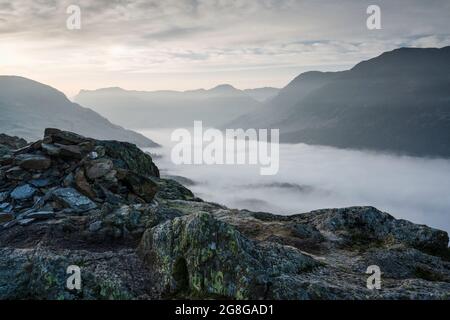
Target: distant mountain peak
x=224, y=88
x=310, y=75
x=105, y=90
x=113, y=89
x=406, y=57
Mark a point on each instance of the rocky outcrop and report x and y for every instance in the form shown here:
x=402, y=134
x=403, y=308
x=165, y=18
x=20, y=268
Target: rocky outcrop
x=67, y=200
x=8, y=144
x=199, y=256
x=336, y=268
x=369, y=225
x=35, y=273
x=12, y=142
x=66, y=173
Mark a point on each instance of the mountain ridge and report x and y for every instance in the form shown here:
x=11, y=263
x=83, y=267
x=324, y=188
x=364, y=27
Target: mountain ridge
x=28, y=106
x=219, y=87
x=397, y=102
x=170, y=109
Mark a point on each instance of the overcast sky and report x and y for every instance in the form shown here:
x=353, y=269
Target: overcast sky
x=187, y=44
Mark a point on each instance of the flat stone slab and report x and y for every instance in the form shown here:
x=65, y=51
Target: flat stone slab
x=71, y=198
x=98, y=168
x=33, y=162
x=23, y=192
x=40, y=183
x=5, y=207
x=18, y=174
x=41, y=215
x=26, y=222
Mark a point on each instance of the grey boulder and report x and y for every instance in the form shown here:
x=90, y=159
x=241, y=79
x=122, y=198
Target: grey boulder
x=72, y=199
x=33, y=162
x=23, y=192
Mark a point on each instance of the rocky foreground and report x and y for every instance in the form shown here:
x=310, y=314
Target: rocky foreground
x=100, y=205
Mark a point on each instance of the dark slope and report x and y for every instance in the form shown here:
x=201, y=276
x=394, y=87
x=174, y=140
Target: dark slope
x=28, y=107
x=278, y=108
x=397, y=102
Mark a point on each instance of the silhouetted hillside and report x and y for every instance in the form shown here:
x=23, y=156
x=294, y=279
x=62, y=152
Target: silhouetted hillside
x=28, y=107
x=397, y=102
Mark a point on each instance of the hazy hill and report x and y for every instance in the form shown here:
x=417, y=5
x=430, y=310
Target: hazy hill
x=262, y=94
x=28, y=107
x=168, y=109
x=278, y=108
x=398, y=102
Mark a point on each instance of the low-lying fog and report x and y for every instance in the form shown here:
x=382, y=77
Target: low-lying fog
x=315, y=177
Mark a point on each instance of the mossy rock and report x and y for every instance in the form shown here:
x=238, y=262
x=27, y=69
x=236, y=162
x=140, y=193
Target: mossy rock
x=199, y=256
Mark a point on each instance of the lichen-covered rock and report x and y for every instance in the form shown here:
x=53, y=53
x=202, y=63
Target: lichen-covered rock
x=200, y=256
x=367, y=224
x=42, y=274
x=128, y=156
x=173, y=190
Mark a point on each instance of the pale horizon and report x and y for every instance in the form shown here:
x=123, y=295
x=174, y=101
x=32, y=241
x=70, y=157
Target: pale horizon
x=185, y=86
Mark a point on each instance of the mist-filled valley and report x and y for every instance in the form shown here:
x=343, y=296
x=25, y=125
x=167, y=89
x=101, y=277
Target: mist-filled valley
x=314, y=177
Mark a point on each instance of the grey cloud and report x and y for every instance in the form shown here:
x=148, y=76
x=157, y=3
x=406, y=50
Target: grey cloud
x=252, y=20
x=192, y=56
x=175, y=32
